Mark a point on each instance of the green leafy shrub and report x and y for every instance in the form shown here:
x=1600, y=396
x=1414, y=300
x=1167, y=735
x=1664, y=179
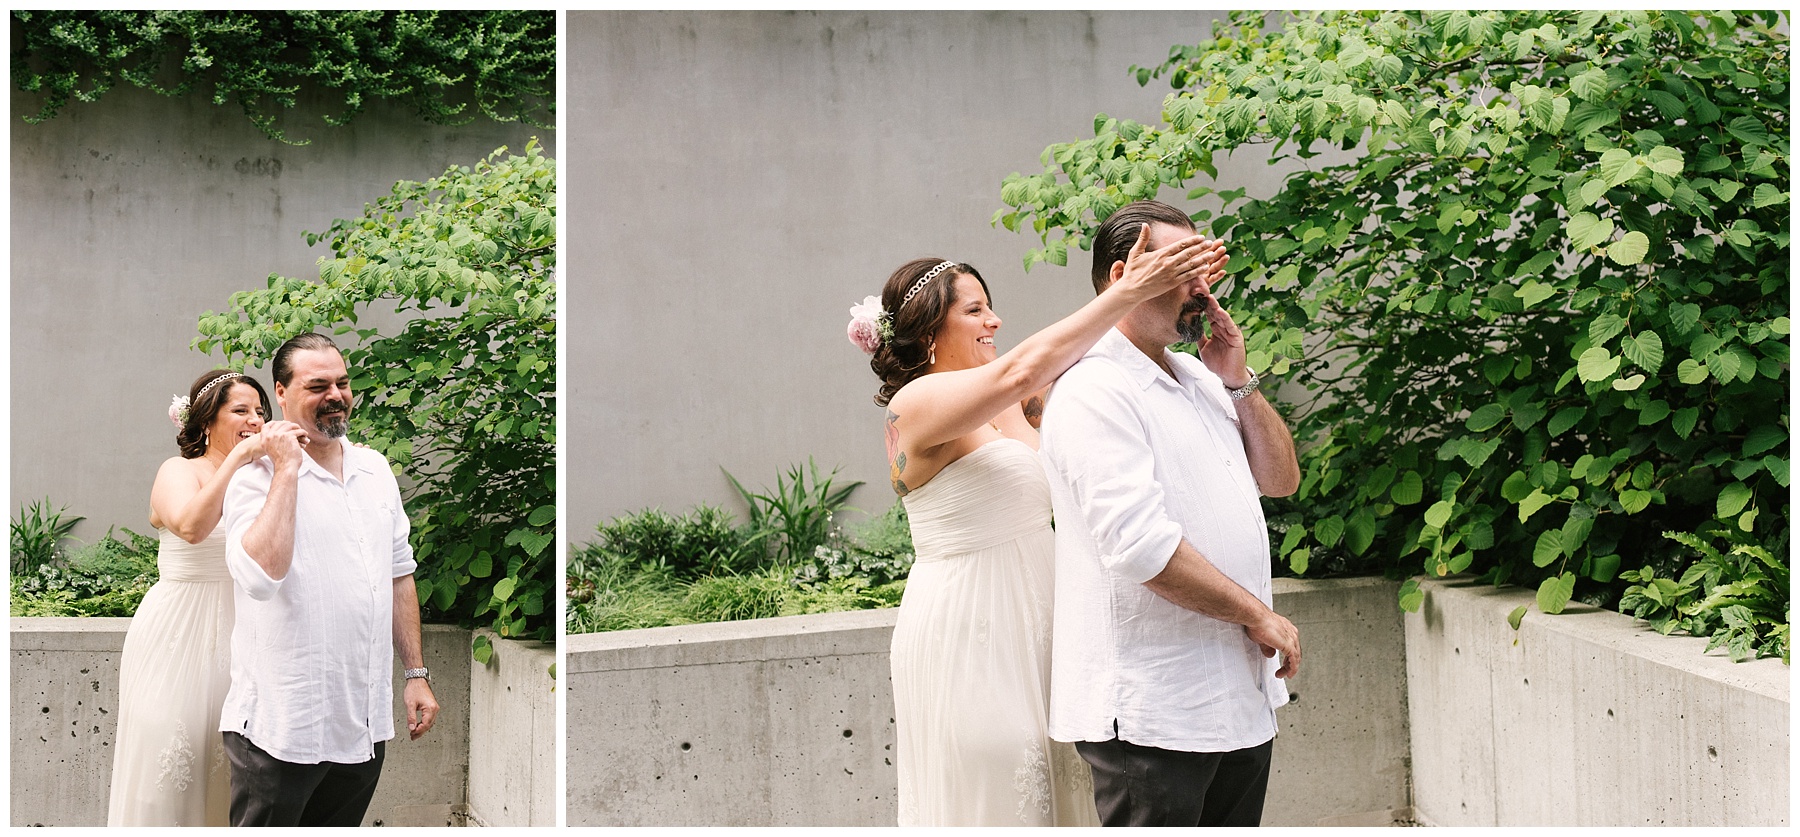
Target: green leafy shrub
x=1736, y=597
x=460, y=401
x=106, y=578
x=1541, y=318
x=651, y=569
x=437, y=62
x=703, y=542
x=798, y=514
x=37, y=536
x=879, y=552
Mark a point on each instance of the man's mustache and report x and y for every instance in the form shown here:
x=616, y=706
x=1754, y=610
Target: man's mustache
x=329, y=406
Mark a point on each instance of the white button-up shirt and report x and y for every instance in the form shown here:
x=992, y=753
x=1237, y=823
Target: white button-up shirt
x=312, y=654
x=1137, y=461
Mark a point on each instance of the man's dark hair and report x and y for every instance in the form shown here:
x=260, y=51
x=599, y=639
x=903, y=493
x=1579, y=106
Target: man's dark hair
x=283, y=365
x=1113, y=241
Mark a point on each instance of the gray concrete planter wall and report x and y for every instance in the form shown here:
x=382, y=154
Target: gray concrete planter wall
x=1446, y=716
x=1586, y=718
x=790, y=721
x=65, y=689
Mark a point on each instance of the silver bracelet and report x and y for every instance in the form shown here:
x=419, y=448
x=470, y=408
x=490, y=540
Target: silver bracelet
x=417, y=673
x=1239, y=393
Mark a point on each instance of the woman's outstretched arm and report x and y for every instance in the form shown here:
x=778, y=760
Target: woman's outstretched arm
x=936, y=409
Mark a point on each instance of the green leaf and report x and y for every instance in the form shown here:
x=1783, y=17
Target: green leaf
x=1634, y=500
x=1629, y=384
x=1516, y=617
x=1534, y=501
x=1298, y=560
x=503, y=589
x=1762, y=438
x=1587, y=231
x=1606, y=567
x=1604, y=328
x=1564, y=419
x=1554, y=593
x=1596, y=364
x=1439, y=513
x=482, y=649
x=1683, y=421
x=1329, y=530
x=1411, y=597
x=1617, y=166
x=1534, y=292
x=1486, y=417
x=1359, y=532
x=1749, y=130
x=1645, y=350
x=1516, y=487
x=1690, y=372
x=542, y=516
x=1549, y=548
x=1409, y=490
x=1732, y=500
x=1629, y=249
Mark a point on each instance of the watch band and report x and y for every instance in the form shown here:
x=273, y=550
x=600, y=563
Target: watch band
x=1240, y=392
x=416, y=673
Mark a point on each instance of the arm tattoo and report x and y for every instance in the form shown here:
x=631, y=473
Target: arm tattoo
x=1034, y=411
x=896, y=456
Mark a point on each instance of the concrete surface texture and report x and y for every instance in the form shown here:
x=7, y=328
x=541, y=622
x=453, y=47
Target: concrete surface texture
x=133, y=215
x=65, y=685
x=1586, y=718
x=737, y=180
x=512, y=735
x=790, y=721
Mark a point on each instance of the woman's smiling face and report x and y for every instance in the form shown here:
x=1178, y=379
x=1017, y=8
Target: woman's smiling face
x=966, y=339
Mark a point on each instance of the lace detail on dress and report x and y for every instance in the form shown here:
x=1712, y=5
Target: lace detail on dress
x=176, y=760
x=1032, y=781
x=1073, y=775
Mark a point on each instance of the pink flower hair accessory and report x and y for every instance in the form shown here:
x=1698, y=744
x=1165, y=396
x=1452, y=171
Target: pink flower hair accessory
x=868, y=325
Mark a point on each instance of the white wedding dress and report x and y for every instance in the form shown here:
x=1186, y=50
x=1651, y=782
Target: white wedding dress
x=971, y=652
x=169, y=764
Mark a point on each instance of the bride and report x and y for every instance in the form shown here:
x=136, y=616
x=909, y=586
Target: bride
x=168, y=760
x=971, y=649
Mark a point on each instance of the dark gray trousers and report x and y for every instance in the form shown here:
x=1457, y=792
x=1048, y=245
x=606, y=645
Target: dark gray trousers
x=1138, y=785
x=268, y=791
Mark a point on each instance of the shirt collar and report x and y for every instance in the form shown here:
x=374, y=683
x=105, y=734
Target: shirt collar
x=1119, y=348
x=352, y=464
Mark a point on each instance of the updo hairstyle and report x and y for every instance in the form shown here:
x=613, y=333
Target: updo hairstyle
x=902, y=357
x=202, y=409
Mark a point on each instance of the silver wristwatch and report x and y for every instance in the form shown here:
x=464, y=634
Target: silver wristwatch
x=417, y=673
x=1240, y=392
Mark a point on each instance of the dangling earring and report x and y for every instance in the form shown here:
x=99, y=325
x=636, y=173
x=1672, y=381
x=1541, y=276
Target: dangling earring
x=931, y=353
x=205, y=439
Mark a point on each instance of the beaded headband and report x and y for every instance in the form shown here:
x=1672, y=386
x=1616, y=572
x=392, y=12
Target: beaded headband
x=930, y=275
x=215, y=382
x=178, y=406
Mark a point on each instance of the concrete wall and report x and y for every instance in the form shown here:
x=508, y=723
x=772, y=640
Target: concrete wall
x=790, y=721
x=130, y=217
x=1586, y=718
x=65, y=687
x=737, y=180
x=512, y=735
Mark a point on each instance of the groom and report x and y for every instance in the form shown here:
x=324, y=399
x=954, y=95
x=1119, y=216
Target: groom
x=1162, y=667
x=317, y=546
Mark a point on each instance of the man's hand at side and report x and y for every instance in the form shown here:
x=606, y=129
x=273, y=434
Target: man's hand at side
x=421, y=707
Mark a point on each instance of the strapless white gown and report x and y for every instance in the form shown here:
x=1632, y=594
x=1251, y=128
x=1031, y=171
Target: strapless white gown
x=971, y=652
x=169, y=764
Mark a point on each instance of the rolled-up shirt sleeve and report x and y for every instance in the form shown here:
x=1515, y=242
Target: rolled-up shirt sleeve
x=244, y=499
x=1096, y=441
x=403, y=551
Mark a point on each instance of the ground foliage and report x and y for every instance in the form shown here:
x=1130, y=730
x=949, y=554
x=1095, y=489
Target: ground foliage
x=445, y=65
x=650, y=568
x=106, y=578
x=1542, y=318
x=461, y=401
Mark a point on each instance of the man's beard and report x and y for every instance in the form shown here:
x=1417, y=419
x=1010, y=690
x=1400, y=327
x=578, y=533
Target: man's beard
x=1191, y=322
x=336, y=426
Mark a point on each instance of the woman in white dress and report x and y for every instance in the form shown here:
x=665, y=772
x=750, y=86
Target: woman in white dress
x=971, y=650
x=168, y=757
